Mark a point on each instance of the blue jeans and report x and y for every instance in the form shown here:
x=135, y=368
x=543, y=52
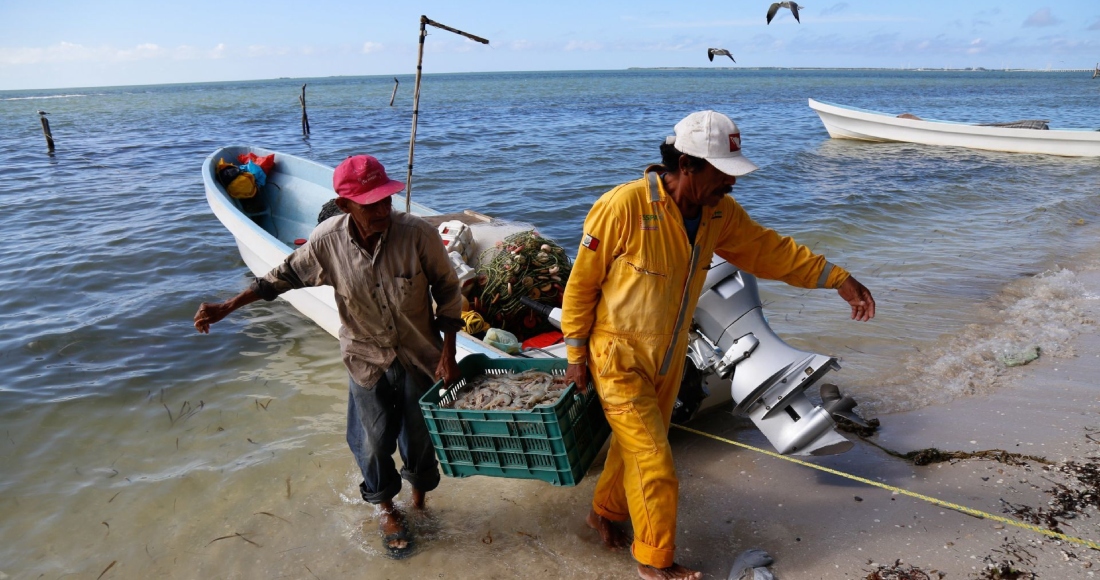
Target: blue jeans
x=386, y=417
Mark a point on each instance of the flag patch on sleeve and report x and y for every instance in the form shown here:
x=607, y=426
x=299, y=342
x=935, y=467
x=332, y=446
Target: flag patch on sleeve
x=590, y=242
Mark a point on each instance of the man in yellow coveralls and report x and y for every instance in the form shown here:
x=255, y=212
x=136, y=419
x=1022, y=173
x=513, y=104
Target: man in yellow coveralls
x=628, y=307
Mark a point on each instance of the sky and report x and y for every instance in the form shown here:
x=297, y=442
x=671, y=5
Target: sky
x=89, y=43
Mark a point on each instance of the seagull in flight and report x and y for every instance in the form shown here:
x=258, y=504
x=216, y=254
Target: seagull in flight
x=777, y=5
x=712, y=52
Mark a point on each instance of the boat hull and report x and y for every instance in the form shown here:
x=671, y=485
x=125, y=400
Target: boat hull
x=848, y=123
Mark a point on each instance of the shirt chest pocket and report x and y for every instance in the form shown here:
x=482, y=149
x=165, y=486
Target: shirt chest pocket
x=641, y=282
x=409, y=293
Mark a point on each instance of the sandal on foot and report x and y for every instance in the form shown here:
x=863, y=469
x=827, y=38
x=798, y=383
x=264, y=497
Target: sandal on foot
x=402, y=535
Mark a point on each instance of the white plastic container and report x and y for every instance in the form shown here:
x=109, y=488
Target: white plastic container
x=462, y=269
x=457, y=237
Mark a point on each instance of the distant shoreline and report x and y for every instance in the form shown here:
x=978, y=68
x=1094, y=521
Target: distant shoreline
x=811, y=68
x=404, y=76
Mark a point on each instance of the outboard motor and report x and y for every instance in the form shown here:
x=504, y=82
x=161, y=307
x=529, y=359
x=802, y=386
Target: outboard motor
x=768, y=377
x=731, y=340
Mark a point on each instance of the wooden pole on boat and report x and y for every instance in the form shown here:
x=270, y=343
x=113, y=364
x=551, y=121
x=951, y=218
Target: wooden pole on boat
x=394, y=94
x=305, y=117
x=46, y=131
x=424, y=22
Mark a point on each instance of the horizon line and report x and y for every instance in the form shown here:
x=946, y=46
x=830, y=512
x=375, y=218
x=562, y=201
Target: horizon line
x=635, y=68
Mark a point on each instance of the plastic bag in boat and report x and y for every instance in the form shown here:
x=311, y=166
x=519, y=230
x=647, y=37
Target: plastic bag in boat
x=502, y=339
x=267, y=162
x=243, y=186
x=256, y=171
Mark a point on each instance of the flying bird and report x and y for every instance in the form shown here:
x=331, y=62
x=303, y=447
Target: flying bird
x=777, y=5
x=711, y=52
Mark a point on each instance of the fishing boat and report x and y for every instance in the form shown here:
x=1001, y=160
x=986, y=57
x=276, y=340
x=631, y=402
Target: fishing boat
x=729, y=331
x=844, y=122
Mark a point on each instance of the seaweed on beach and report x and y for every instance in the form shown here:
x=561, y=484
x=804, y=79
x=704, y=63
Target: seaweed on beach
x=902, y=571
x=855, y=428
x=1068, y=501
x=1004, y=567
x=932, y=455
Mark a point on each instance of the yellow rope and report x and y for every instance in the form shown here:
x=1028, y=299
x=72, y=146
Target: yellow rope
x=474, y=322
x=932, y=500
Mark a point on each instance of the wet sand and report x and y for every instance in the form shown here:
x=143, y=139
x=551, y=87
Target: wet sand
x=265, y=501
x=814, y=526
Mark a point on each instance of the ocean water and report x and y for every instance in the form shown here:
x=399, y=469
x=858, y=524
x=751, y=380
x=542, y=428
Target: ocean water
x=133, y=444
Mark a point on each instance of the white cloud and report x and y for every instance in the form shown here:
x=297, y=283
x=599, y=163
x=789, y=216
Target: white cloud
x=583, y=45
x=369, y=47
x=67, y=52
x=1041, y=17
x=139, y=52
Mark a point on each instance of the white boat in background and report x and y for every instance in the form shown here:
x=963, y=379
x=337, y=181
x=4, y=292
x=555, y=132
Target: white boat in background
x=851, y=123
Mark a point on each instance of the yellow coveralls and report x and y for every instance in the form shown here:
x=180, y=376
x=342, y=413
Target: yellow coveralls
x=627, y=309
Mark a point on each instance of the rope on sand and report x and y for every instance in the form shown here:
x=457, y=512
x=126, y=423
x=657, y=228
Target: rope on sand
x=945, y=504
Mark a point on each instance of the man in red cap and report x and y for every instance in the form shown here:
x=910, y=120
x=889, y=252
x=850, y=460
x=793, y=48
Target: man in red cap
x=386, y=269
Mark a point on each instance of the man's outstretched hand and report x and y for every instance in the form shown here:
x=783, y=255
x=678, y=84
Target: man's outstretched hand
x=859, y=297
x=209, y=313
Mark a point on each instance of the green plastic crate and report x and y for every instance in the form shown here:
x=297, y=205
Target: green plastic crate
x=554, y=443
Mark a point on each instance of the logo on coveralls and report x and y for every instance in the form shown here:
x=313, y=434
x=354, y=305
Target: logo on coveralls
x=649, y=222
x=590, y=242
x=735, y=142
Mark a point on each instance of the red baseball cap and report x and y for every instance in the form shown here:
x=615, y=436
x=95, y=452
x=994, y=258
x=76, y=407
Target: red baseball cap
x=362, y=179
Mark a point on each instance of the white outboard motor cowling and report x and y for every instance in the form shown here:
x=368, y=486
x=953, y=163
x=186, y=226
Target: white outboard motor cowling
x=768, y=377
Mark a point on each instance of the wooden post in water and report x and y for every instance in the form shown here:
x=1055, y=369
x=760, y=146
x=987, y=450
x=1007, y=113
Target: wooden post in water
x=424, y=21
x=305, y=117
x=46, y=131
x=395, y=83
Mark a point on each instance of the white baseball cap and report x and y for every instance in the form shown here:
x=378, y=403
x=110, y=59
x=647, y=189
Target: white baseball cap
x=715, y=137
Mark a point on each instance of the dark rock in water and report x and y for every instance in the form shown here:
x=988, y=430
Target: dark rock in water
x=328, y=210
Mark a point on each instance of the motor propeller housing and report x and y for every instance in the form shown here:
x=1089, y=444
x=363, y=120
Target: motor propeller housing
x=768, y=377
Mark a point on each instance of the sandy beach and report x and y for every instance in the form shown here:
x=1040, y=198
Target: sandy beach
x=818, y=525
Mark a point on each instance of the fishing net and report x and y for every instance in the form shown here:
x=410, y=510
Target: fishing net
x=523, y=264
x=328, y=210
